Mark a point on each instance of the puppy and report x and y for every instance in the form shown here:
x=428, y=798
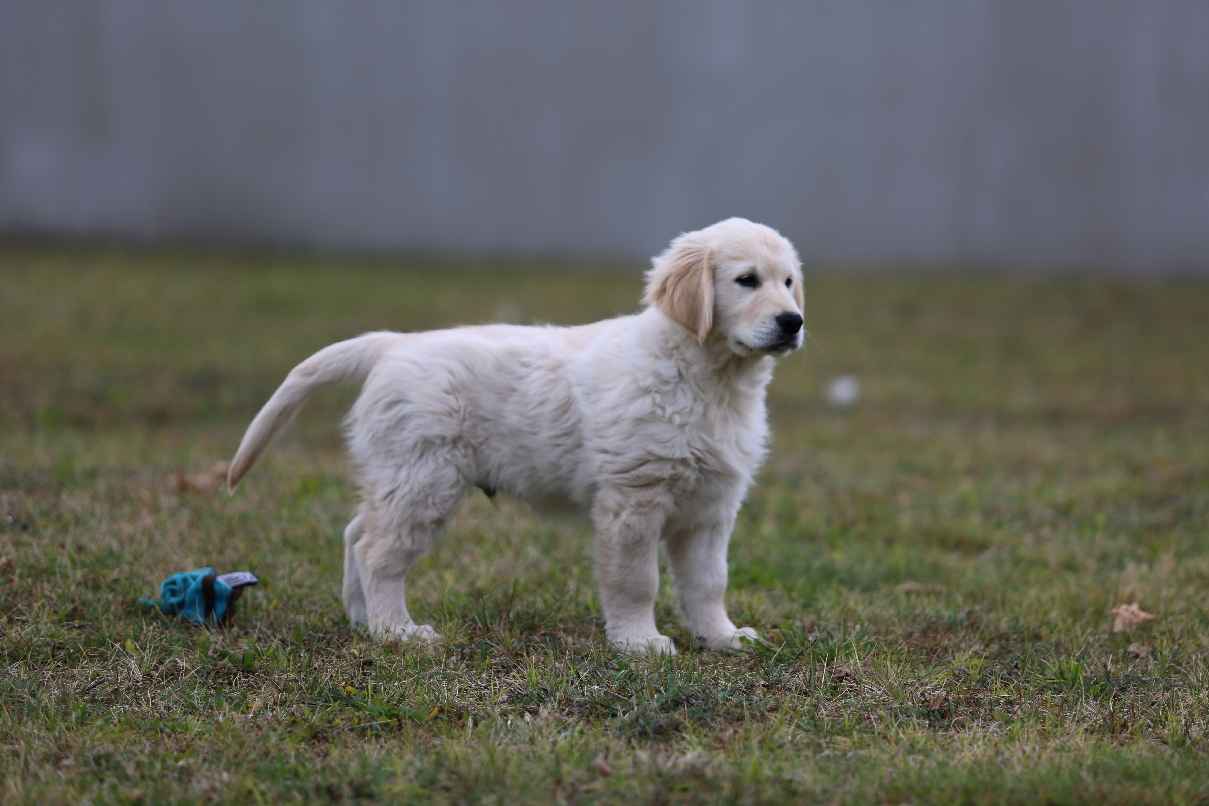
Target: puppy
x=654, y=423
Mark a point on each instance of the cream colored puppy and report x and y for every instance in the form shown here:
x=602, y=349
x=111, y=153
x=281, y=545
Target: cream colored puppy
x=654, y=423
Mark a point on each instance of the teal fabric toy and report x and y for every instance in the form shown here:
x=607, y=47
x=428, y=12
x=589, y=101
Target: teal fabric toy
x=201, y=596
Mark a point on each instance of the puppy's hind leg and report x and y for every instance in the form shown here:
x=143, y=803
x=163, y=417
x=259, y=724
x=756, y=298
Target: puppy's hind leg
x=353, y=591
x=402, y=526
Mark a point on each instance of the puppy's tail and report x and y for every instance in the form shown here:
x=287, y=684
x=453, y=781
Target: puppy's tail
x=343, y=361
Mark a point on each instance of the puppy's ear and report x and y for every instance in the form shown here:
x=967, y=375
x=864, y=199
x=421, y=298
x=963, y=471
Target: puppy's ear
x=681, y=284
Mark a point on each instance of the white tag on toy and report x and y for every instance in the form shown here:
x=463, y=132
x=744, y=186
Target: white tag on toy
x=237, y=579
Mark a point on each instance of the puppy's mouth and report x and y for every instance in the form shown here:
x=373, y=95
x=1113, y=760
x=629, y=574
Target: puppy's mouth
x=782, y=346
x=778, y=348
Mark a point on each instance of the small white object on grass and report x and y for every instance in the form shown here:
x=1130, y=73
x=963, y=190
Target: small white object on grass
x=843, y=391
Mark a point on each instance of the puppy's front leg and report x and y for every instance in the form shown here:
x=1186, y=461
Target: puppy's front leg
x=698, y=559
x=628, y=527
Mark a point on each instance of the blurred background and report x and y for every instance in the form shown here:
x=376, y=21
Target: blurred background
x=1021, y=134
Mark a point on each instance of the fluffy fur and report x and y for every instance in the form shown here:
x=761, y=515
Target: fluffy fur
x=654, y=423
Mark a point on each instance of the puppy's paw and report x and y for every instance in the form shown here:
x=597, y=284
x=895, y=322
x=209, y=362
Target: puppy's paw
x=736, y=641
x=357, y=616
x=420, y=633
x=644, y=644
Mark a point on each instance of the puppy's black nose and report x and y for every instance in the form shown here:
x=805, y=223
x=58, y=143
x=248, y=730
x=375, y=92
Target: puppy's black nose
x=789, y=323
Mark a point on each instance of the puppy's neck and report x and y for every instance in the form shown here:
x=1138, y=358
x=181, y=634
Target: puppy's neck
x=713, y=359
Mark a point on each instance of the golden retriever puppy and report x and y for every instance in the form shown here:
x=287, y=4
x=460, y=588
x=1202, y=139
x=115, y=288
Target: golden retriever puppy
x=654, y=423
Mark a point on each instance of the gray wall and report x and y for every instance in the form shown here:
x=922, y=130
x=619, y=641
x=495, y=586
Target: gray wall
x=1031, y=132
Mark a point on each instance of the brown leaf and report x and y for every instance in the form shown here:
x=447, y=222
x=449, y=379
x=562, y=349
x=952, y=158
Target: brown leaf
x=601, y=765
x=1127, y=616
x=937, y=700
x=1140, y=650
x=842, y=674
x=205, y=481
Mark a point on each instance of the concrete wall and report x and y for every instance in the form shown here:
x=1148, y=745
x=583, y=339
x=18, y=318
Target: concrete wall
x=1025, y=132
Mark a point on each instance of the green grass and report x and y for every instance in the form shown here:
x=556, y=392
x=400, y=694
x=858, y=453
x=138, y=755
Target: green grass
x=934, y=569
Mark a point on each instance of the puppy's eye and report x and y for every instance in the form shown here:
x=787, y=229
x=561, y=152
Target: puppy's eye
x=788, y=282
x=748, y=280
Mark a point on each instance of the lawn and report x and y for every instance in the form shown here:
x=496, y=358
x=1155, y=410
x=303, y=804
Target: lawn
x=934, y=569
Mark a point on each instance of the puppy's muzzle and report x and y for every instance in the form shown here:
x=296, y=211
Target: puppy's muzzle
x=789, y=324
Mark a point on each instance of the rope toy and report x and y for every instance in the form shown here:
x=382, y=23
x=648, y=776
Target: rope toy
x=201, y=596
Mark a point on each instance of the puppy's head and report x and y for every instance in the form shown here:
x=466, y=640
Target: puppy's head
x=736, y=281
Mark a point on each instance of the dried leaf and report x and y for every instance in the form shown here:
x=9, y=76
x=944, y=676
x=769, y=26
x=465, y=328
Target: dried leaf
x=842, y=674
x=601, y=765
x=1140, y=650
x=937, y=700
x=1127, y=616
x=205, y=481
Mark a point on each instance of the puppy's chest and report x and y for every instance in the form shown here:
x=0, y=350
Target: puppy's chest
x=713, y=437
x=729, y=444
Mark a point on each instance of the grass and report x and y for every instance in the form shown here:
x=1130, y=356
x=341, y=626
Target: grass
x=934, y=569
